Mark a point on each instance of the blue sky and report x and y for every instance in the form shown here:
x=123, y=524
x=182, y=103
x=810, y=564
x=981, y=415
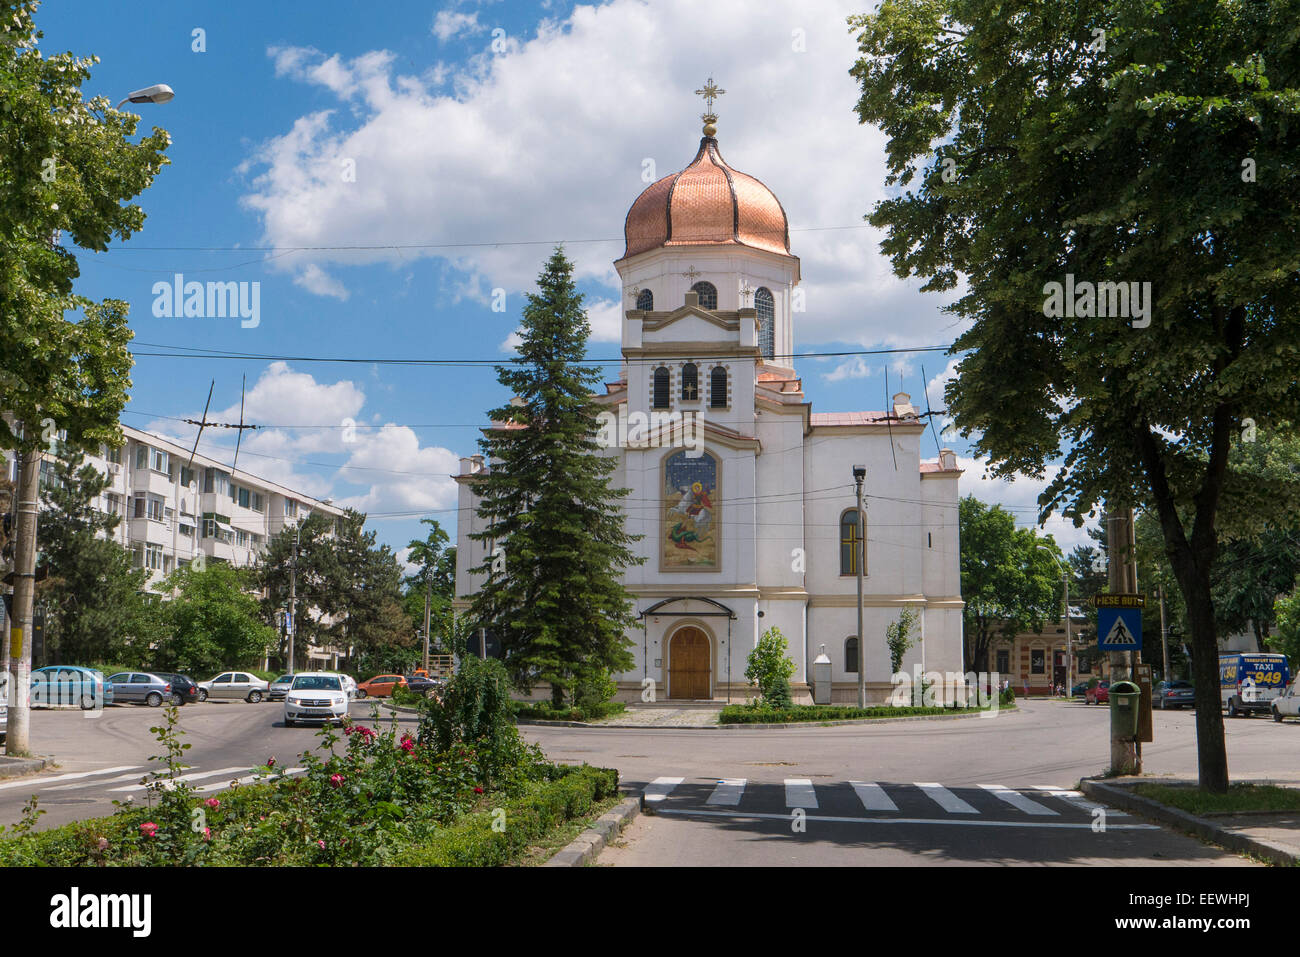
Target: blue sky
x=472, y=136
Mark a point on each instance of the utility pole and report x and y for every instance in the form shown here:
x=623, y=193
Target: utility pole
x=17, y=741
x=1069, y=639
x=293, y=596
x=1164, y=632
x=859, y=559
x=428, y=595
x=1121, y=569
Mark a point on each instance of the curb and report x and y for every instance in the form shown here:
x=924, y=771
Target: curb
x=17, y=767
x=586, y=847
x=756, y=727
x=1123, y=798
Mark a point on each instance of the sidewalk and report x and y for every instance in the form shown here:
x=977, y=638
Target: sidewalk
x=1271, y=835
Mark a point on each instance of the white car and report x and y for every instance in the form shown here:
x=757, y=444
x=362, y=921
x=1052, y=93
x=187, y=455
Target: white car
x=316, y=696
x=1287, y=704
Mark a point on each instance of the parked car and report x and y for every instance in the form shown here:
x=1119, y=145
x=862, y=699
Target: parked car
x=277, y=689
x=315, y=696
x=140, y=687
x=1287, y=704
x=233, y=685
x=1079, y=690
x=423, y=684
x=380, y=686
x=70, y=684
x=1100, y=694
x=185, y=690
x=1173, y=694
x=1249, y=681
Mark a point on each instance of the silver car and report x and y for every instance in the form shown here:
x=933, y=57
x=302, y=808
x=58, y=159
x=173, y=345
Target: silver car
x=234, y=685
x=140, y=687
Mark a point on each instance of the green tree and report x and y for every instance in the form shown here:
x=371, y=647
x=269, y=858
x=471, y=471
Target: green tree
x=214, y=620
x=770, y=667
x=1009, y=582
x=98, y=606
x=1126, y=141
x=314, y=590
x=435, y=576
x=69, y=169
x=365, y=585
x=1286, y=638
x=898, y=637
x=559, y=605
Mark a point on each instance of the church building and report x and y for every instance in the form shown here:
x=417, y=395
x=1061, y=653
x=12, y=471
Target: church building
x=745, y=497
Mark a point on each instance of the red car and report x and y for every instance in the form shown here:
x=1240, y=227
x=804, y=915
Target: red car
x=1098, y=695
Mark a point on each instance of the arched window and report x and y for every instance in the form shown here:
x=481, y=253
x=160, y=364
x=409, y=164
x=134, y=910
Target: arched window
x=850, y=541
x=661, y=388
x=766, y=310
x=708, y=294
x=645, y=300
x=851, y=655
x=718, y=387
x=690, y=382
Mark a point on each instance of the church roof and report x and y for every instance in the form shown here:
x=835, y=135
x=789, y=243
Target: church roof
x=707, y=204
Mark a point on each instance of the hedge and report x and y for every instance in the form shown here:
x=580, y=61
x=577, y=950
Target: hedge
x=543, y=711
x=749, y=714
x=472, y=841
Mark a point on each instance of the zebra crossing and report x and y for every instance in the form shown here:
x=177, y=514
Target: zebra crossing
x=130, y=779
x=882, y=802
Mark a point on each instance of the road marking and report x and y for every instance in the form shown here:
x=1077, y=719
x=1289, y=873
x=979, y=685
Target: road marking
x=41, y=782
x=660, y=788
x=1076, y=799
x=799, y=793
x=945, y=798
x=1080, y=826
x=247, y=779
x=193, y=776
x=729, y=792
x=873, y=796
x=1018, y=800
x=90, y=784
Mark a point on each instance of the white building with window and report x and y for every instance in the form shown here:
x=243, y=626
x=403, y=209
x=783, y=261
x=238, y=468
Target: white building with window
x=756, y=526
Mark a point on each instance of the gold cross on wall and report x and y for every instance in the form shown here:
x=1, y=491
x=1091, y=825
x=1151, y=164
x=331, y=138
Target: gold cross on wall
x=691, y=274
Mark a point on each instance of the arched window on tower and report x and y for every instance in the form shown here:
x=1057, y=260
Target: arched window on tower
x=708, y=294
x=851, y=655
x=766, y=310
x=660, y=388
x=718, y=387
x=850, y=543
x=645, y=300
x=690, y=382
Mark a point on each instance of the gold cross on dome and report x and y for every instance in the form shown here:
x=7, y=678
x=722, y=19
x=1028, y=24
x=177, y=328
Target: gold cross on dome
x=710, y=92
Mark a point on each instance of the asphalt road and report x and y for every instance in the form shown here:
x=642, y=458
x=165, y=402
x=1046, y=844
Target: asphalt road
x=968, y=791
x=102, y=756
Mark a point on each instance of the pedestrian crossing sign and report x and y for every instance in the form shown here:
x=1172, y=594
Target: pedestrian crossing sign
x=1119, y=629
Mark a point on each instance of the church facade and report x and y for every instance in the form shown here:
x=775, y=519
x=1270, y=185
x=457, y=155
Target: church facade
x=743, y=495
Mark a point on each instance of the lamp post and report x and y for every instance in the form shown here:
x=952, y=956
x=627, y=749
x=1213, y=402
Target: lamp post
x=859, y=556
x=1069, y=643
x=158, y=93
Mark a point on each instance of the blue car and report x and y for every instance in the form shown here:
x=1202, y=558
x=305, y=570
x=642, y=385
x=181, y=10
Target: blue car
x=68, y=685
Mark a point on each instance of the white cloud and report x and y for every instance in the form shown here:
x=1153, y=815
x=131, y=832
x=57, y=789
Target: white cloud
x=314, y=279
x=545, y=141
x=448, y=24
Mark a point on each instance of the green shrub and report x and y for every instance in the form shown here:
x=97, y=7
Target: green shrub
x=545, y=711
x=769, y=667
x=763, y=714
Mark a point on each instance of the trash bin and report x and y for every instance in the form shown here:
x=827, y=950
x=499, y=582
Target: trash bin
x=821, y=678
x=1125, y=697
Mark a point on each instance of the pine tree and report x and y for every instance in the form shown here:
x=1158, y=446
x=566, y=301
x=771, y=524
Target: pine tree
x=554, y=531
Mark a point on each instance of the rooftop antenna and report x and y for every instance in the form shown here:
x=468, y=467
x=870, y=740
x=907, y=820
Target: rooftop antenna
x=925, y=387
x=889, y=419
x=201, y=424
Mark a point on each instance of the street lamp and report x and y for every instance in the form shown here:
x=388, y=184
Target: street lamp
x=158, y=93
x=1069, y=644
x=859, y=557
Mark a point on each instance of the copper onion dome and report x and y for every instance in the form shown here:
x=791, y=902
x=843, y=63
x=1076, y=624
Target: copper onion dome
x=707, y=204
